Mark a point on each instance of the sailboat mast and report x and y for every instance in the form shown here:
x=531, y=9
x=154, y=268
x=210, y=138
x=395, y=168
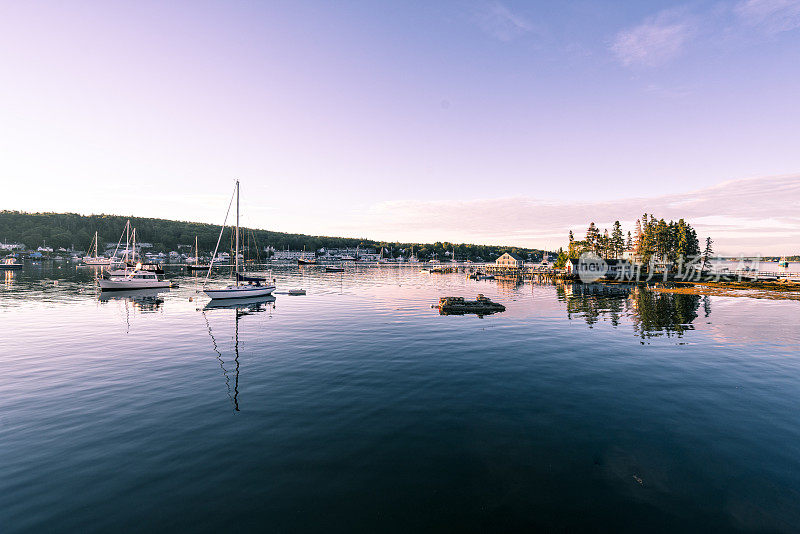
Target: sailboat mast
x=95, y=244
x=196, y=252
x=236, y=250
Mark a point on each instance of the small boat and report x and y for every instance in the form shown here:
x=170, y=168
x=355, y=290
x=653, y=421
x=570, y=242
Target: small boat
x=296, y=292
x=136, y=279
x=253, y=286
x=301, y=261
x=96, y=259
x=783, y=262
x=196, y=266
x=10, y=264
x=334, y=269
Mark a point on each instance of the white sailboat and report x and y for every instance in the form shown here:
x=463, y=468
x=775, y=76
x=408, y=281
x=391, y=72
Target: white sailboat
x=252, y=287
x=97, y=259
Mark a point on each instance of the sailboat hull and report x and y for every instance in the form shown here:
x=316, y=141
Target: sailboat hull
x=128, y=283
x=240, y=292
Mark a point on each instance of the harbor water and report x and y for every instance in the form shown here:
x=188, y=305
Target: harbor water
x=359, y=408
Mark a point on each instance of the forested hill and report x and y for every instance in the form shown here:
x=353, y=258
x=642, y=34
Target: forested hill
x=72, y=230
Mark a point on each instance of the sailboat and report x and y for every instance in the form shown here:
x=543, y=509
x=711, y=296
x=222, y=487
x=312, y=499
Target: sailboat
x=252, y=287
x=97, y=259
x=196, y=266
x=303, y=261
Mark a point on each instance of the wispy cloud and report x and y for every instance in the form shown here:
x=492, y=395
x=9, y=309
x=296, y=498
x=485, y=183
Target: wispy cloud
x=772, y=16
x=733, y=213
x=498, y=21
x=653, y=42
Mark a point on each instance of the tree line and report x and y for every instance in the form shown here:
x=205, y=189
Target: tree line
x=74, y=231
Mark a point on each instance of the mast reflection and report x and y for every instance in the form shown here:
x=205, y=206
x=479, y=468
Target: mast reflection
x=241, y=308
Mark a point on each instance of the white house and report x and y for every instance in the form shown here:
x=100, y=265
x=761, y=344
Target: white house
x=293, y=255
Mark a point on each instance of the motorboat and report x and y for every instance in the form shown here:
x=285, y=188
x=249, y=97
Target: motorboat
x=136, y=279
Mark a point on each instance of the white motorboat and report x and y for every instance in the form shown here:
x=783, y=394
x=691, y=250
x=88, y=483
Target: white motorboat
x=245, y=286
x=136, y=279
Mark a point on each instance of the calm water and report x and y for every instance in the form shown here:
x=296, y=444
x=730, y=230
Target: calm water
x=358, y=408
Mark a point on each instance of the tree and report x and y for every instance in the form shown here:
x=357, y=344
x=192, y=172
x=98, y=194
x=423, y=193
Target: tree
x=617, y=240
x=637, y=243
x=629, y=243
x=593, y=238
x=707, y=252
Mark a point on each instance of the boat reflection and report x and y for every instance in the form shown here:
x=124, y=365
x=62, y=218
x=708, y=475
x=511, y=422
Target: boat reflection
x=242, y=308
x=144, y=300
x=651, y=312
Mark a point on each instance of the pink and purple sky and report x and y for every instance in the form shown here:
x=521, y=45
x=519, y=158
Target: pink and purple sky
x=476, y=121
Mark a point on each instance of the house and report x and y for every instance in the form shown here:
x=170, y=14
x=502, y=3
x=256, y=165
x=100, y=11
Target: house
x=509, y=260
x=293, y=255
x=596, y=268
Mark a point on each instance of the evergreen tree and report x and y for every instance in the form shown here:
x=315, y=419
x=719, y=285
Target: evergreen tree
x=593, y=238
x=707, y=252
x=638, y=237
x=617, y=240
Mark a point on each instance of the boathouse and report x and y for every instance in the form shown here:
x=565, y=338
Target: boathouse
x=509, y=260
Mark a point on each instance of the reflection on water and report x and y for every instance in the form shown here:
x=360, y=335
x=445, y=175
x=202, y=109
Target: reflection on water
x=359, y=405
x=651, y=312
x=241, y=308
x=143, y=300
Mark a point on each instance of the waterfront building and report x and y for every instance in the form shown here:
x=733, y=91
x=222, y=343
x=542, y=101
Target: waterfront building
x=509, y=260
x=293, y=255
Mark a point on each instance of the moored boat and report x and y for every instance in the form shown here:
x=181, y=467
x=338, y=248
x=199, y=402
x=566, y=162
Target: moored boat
x=252, y=286
x=10, y=264
x=136, y=279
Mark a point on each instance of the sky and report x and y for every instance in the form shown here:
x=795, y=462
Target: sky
x=477, y=121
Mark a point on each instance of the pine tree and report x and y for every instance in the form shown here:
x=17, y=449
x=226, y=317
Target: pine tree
x=707, y=252
x=637, y=243
x=617, y=240
x=593, y=238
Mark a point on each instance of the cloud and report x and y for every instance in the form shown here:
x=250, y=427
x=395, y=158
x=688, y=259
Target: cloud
x=772, y=16
x=654, y=42
x=758, y=215
x=499, y=22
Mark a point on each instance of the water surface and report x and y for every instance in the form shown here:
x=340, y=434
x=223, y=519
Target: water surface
x=359, y=408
